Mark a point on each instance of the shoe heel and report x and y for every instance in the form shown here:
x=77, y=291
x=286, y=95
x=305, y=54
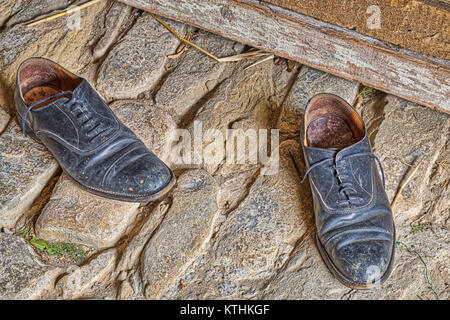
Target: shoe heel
x=28, y=130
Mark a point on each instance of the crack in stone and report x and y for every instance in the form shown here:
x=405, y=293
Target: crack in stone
x=39, y=203
x=189, y=117
x=126, y=26
x=121, y=31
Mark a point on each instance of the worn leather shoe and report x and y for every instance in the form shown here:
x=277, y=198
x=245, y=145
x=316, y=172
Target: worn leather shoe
x=355, y=227
x=94, y=148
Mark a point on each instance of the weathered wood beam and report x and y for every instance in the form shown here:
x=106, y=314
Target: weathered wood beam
x=416, y=77
x=419, y=25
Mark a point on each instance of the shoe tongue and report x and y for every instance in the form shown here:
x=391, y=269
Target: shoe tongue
x=60, y=97
x=317, y=154
x=82, y=87
x=362, y=145
x=55, y=98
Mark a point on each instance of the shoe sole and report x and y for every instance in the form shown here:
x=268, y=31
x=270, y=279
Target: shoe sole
x=154, y=197
x=344, y=280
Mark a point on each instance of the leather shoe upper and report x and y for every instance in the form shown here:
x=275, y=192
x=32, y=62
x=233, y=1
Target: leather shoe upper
x=354, y=221
x=91, y=144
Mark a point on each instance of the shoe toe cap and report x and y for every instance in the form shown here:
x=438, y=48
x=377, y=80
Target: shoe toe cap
x=364, y=263
x=138, y=176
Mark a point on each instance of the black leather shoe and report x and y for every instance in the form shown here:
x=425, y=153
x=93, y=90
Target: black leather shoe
x=355, y=227
x=93, y=147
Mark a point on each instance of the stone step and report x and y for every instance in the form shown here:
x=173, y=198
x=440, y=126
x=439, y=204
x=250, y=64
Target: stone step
x=408, y=133
x=136, y=62
x=25, y=169
x=22, y=274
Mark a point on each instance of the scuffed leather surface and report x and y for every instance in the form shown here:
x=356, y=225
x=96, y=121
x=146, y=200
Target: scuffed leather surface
x=358, y=239
x=362, y=176
x=115, y=162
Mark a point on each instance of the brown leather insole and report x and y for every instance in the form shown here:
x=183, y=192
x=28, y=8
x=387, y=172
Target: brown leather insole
x=39, y=93
x=330, y=131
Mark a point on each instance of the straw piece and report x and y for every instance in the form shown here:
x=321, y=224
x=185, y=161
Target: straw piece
x=66, y=12
x=238, y=57
x=403, y=185
x=260, y=61
x=183, y=39
x=242, y=56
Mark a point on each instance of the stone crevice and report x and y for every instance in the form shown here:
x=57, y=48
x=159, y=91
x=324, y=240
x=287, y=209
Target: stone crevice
x=99, y=55
x=189, y=117
x=149, y=236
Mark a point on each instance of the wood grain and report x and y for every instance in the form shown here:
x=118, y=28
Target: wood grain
x=416, y=77
x=419, y=25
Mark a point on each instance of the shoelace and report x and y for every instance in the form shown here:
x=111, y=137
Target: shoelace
x=342, y=175
x=74, y=105
x=37, y=103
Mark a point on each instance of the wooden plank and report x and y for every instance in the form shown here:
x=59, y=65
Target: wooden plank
x=321, y=45
x=419, y=25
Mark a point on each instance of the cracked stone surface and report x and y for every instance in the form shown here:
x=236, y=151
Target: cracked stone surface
x=57, y=40
x=25, y=168
x=83, y=218
x=137, y=60
x=13, y=12
x=4, y=118
x=185, y=228
x=81, y=282
x=115, y=21
x=150, y=123
x=22, y=274
x=196, y=75
x=227, y=230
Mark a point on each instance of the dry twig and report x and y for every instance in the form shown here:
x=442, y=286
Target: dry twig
x=260, y=61
x=403, y=185
x=444, y=164
x=181, y=48
x=238, y=57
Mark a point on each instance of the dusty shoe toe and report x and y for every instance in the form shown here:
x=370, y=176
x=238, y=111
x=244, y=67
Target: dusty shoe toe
x=139, y=176
x=363, y=263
